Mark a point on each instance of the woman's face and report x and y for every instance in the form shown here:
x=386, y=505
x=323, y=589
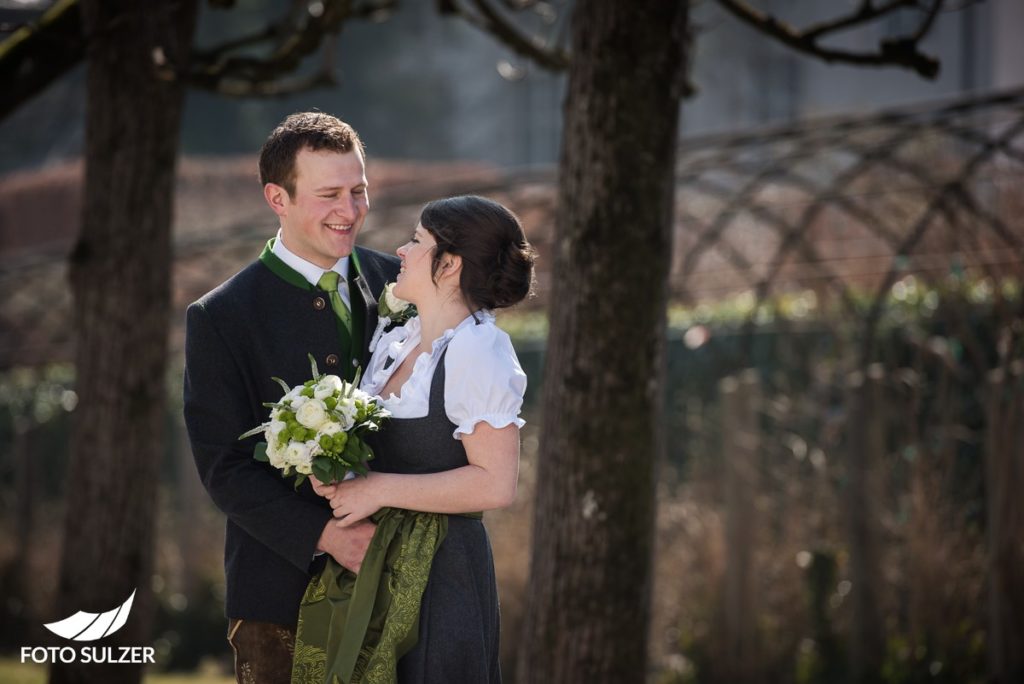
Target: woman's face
x=414, y=281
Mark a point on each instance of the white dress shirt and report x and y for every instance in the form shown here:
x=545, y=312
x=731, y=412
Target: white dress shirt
x=483, y=379
x=312, y=272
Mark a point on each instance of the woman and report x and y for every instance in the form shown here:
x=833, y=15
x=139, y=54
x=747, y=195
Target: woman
x=454, y=387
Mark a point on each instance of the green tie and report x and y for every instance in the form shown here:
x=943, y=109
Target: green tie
x=329, y=282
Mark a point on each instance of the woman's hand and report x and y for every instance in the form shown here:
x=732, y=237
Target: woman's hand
x=324, y=490
x=356, y=499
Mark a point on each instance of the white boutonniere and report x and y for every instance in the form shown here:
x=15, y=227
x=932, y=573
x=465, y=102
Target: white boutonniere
x=391, y=311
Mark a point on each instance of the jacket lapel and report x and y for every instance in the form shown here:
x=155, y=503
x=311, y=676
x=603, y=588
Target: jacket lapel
x=372, y=279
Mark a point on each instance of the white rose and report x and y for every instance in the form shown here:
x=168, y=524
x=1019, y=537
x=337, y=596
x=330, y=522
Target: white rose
x=306, y=466
x=312, y=415
x=329, y=428
x=328, y=385
x=276, y=454
x=297, y=401
x=276, y=426
x=348, y=411
x=297, y=453
x=393, y=303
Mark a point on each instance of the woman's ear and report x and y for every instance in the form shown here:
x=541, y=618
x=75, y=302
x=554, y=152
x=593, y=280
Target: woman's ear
x=451, y=266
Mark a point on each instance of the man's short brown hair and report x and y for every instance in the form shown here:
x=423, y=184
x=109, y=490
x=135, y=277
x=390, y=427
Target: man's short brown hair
x=303, y=130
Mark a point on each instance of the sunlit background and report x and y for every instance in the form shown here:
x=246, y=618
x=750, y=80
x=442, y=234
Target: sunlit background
x=825, y=214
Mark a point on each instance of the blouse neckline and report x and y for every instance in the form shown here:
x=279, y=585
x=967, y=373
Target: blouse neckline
x=399, y=343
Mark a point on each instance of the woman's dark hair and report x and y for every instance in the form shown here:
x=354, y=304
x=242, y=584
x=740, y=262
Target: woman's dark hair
x=497, y=261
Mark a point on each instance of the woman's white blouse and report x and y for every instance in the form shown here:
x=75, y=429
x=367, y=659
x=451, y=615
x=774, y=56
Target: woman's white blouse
x=483, y=379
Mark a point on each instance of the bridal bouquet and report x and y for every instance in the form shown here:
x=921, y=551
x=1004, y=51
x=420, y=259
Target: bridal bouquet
x=317, y=428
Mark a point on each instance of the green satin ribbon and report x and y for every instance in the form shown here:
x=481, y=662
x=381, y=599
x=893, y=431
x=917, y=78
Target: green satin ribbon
x=353, y=628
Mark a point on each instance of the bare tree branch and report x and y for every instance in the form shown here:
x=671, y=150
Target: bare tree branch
x=292, y=39
x=488, y=18
x=37, y=54
x=900, y=51
x=926, y=25
x=866, y=13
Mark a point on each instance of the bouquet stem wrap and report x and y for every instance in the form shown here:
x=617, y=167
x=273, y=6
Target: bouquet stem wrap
x=353, y=628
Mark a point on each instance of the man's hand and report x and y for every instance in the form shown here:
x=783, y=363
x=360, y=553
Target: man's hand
x=347, y=545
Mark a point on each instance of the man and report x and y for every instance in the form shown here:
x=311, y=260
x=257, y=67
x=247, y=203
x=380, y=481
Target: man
x=262, y=323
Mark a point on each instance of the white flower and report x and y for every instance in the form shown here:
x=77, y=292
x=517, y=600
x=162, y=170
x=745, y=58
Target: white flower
x=329, y=428
x=276, y=426
x=347, y=410
x=393, y=303
x=297, y=454
x=297, y=401
x=276, y=454
x=311, y=414
x=311, y=450
x=328, y=385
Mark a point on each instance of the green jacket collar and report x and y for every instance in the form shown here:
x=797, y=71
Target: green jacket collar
x=289, y=274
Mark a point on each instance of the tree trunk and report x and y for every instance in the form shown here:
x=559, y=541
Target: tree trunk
x=1005, y=526
x=587, y=612
x=867, y=444
x=742, y=432
x=120, y=278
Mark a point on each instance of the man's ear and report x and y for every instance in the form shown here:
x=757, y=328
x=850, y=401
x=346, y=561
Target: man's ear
x=277, y=197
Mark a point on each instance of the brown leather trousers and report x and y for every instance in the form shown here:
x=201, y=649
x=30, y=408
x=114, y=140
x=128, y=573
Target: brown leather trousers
x=263, y=651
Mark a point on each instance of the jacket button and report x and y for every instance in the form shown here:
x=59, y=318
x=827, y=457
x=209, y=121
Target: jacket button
x=332, y=359
x=319, y=304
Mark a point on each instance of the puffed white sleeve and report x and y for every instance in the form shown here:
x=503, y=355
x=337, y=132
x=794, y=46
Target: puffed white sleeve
x=483, y=379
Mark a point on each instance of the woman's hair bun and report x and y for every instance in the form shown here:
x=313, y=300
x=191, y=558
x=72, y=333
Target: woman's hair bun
x=497, y=260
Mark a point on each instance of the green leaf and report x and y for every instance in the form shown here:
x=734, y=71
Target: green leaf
x=283, y=384
x=323, y=468
x=258, y=430
x=363, y=451
x=260, y=453
x=312, y=364
x=299, y=479
x=338, y=471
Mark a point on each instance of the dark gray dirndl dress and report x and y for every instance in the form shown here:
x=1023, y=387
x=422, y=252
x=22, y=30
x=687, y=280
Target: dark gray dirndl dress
x=459, y=624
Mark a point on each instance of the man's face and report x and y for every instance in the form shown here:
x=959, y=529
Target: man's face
x=320, y=220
